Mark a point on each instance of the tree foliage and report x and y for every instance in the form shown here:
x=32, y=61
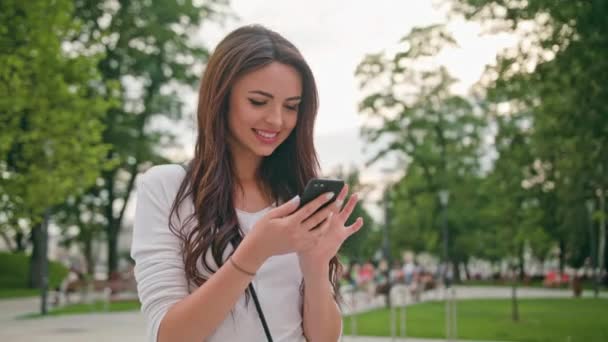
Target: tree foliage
x=151, y=57
x=51, y=112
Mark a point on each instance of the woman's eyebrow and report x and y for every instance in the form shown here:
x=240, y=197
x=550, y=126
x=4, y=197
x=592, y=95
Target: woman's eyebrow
x=263, y=93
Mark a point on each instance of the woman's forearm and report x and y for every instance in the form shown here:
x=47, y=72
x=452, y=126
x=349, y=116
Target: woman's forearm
x=195, y=317
x=322, y=317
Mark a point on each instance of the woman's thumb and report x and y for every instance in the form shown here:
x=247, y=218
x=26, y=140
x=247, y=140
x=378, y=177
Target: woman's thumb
x=286, y=208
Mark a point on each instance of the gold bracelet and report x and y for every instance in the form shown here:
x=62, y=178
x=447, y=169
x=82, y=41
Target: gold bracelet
x=240, y=268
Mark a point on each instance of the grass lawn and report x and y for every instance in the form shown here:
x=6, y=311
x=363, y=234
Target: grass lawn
x=97, y=307
x=568, y=320
x=18, y=293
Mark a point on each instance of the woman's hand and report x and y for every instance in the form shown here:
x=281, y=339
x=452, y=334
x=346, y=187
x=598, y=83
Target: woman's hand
x=284, y=230
x=333, y=232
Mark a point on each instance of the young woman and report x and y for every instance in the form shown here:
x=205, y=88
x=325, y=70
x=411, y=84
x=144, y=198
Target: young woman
x=205, y=232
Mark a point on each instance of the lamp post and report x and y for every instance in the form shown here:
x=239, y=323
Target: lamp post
x=386, y=245
x=590, y=204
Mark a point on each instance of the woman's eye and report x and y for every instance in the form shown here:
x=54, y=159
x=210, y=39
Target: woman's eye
x=257, y=103
x=294, y=108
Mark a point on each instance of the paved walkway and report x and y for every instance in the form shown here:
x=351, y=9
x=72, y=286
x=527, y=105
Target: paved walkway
x=361, y=303
x=130, y=326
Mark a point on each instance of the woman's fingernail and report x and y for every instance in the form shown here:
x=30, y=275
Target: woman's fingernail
x=295, y=199
x=329, y=195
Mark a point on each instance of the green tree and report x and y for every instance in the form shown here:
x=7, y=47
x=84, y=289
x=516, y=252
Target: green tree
x=150, y=53
x=557, y=74
x=51, y=116
x=413, y=218
x=511, y=210
x=411, y=110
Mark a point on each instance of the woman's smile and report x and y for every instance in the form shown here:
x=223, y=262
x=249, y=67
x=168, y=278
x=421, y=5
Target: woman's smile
x=267, y=137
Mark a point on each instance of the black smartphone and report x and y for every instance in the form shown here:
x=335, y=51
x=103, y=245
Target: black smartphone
x=319, y=186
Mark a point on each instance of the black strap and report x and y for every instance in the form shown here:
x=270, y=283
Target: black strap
x=260, y=312
x=254, y=295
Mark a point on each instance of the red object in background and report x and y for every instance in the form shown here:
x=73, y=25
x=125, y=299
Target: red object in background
x=554, y=278
x=366, y=273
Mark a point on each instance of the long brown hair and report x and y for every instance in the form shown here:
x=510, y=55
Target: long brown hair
x=210, y=178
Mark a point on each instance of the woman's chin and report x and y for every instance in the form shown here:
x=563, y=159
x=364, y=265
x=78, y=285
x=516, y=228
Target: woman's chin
x=265, y=152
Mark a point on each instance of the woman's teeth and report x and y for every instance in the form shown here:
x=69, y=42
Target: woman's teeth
x=266, y=134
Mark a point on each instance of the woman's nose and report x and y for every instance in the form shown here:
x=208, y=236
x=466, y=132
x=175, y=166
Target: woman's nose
x=275, y=116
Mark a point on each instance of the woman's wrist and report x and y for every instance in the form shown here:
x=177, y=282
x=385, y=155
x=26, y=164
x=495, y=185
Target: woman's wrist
x=317, y=282
x=248, y=256
x=314, y=272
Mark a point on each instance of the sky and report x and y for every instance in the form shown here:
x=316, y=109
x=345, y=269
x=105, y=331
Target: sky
x=334, y=37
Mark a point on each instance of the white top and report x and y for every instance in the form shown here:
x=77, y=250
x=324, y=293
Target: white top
x=160, y=276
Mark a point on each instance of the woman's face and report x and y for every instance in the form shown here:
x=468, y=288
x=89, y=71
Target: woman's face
x=263, y=109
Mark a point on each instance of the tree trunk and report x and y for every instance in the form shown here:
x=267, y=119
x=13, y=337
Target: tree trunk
x=39, y=264
x=456, y=267
x=467, y=272
x=522, y=263
x=602, y=236
x=115, y=222
x=35, y=272
x=514, y=306
x=112, y=250
x=112, y=225
x=20, y=242
x=43, y=261
x=562, y=255
x=88, y=256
